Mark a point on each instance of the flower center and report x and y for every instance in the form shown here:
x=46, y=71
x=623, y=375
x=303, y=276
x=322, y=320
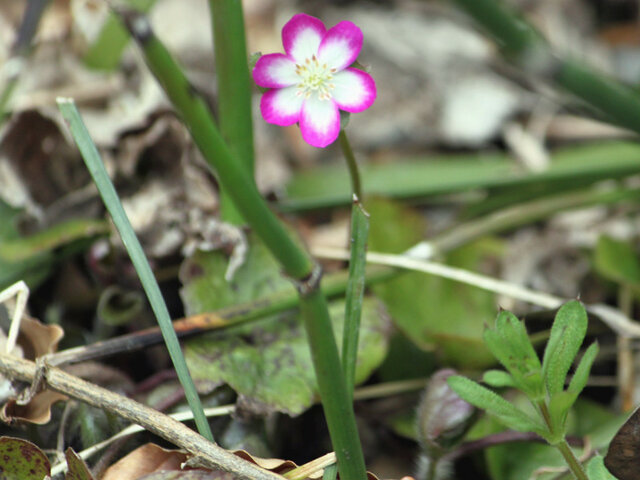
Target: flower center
x=315, y=78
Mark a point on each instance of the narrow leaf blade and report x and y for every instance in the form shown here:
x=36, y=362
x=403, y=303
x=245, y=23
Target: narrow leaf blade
x=495, y=405
x=355, y=291
x=581, y=375
x=567, y=334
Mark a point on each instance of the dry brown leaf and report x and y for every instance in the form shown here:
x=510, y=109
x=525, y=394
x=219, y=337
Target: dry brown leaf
x=144, y=460
x=35, y=340
x=281, y=467
x=276, y=465
x=37, y=411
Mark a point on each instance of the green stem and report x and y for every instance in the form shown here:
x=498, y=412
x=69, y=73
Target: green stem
x=234, y=90
x=134, y=249
x=231, y=173
x=337, y=403
x=572, y=461
x=296, y=263
x=525, y=46
x=354, y=174
x=569, y=457
x=433, y=467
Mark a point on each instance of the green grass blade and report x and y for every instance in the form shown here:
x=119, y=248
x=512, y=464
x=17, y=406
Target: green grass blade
x=417, y=177
x=56, y=236
x=112, y=202
x=234, y=90
x=355, y=292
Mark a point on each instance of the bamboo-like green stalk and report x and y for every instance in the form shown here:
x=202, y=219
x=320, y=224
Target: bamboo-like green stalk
x=525, y=46
x=295, y=262
x=234, y=90
x=134, y=249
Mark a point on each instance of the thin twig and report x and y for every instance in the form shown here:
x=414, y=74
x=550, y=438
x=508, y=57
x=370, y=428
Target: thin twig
x=615, y=319
x=131, y=429
x=152, y=420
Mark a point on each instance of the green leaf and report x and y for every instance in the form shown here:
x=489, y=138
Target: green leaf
x=495, y=405
x=597, y=471
x=355, y=290
x=581, y=375
x=510, y=344
x=77, y=468
x=269, y=362
x=22, y=460
x=434, y=313
x=559, y=406
x=518, y=460
x=110, y=198
x=33, y=270
x=617, y=261
x=205, y=288
x=567, y=333
x=498, y=379
x=572, y=167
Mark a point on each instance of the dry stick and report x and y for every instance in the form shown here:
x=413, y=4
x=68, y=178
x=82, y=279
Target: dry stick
x=152, y=420
x=625, y=372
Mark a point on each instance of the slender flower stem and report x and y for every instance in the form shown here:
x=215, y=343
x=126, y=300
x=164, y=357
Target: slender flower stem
x=354, y=174
x=294, y=260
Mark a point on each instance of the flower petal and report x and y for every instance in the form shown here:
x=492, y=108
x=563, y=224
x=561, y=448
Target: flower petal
x=341, y=45
x=275, y=70
x=319, y=121
x=354, y=90
x=281, y=106
x=301, y=37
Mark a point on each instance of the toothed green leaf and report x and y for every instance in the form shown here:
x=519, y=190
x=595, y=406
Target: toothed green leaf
x=510, y=344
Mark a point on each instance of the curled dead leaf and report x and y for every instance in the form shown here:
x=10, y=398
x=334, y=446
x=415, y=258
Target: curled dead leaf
x=35, y=340
x=144, y=460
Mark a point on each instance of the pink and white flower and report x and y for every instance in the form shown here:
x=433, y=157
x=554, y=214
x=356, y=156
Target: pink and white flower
x=312, y=81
